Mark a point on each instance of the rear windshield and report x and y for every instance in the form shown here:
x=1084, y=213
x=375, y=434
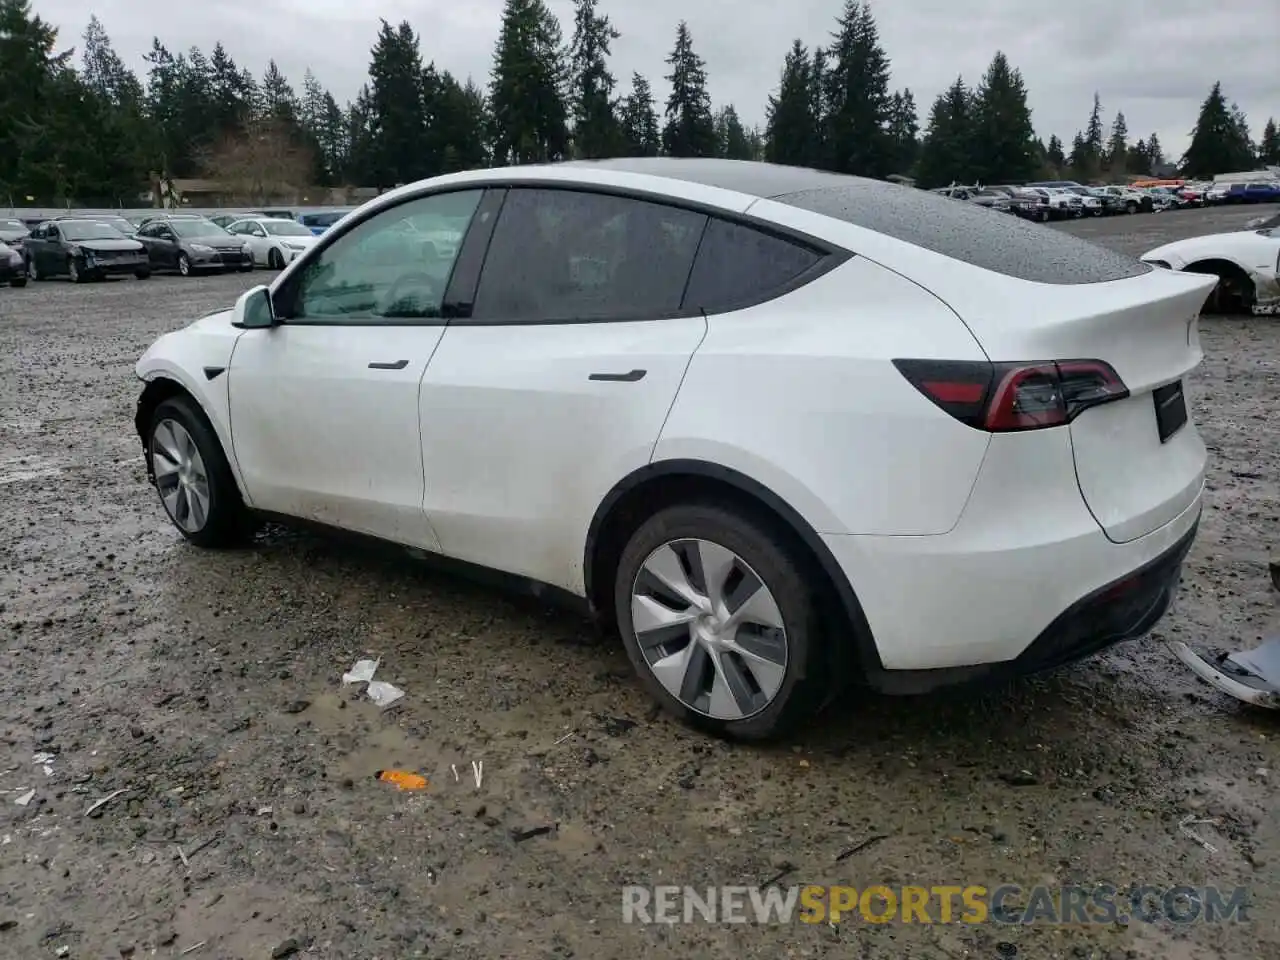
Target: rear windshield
x=967, y=232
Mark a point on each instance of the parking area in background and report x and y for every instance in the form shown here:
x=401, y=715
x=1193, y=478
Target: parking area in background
x=206, y=686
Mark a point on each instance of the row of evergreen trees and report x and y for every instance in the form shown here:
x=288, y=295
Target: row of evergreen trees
x=96, y=132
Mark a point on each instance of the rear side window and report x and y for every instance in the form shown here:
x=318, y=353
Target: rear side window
x=969, y=233
x=563, y=256
x=738, y=266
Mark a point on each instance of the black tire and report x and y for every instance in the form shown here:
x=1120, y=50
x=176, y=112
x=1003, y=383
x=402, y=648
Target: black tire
x=228, y=523
x=33, y=272
x=1043, y=216
x=247, y=268
x=142, y=274
x=184, y=265
x=18, y=282
x=1131, y=207
x=780, y=564
x=76, y=274
x=274, y=260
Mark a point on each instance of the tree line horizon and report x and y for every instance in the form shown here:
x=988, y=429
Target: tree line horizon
x=95, y=131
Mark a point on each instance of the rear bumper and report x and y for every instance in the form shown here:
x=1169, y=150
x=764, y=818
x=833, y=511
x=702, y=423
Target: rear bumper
x=1027, y=579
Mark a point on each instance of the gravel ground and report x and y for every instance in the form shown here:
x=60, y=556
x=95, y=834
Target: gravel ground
x=205, y=686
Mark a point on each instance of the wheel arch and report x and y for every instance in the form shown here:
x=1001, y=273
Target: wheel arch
x=164, y=386
x=659, y=484
x=1227, y=271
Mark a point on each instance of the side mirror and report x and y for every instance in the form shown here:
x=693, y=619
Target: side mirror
x=254, y=310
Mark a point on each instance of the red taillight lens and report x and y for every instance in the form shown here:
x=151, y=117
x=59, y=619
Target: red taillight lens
x=1003, y=397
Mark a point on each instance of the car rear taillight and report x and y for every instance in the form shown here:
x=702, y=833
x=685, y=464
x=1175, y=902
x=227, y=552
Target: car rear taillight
x=1005, y=397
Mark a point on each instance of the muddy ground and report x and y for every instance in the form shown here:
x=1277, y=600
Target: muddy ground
x=206, y=687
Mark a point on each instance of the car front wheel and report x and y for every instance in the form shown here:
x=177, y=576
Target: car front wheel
x=719, y=615
x=193, y=477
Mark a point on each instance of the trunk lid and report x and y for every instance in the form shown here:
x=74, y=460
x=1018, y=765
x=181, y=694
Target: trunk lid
x=1147, y=328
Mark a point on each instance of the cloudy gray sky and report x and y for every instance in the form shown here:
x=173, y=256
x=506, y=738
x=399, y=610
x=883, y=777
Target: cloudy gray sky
x=1153, y=59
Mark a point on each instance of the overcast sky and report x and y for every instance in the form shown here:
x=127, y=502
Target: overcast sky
x=1153, y=59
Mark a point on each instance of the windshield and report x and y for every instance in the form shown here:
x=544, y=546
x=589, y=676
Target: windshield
x=285, y=228
x=197, y=228
x=120, y=223
x=88, y=230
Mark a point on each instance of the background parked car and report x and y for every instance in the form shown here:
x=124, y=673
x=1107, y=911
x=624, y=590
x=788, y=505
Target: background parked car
x=982, y=196
x=13, y=231
x=1090, y=205
x=318, y=223
x=1261, y=191
x=126, y=227
x=1063, y=203
x=82, y=250
x=273, y=242
x=1134, y=200
x=189, y=245
x=13, y=270
x=1111, y=203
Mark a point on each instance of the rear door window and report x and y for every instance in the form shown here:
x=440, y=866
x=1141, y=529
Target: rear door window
x=566, y=256
x=738, y=266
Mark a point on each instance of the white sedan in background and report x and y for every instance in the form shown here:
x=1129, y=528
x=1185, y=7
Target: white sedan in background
x=1246, y=263
x=275, y=242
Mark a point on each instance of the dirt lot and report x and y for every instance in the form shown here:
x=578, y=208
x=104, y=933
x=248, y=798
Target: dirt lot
x=206, y=686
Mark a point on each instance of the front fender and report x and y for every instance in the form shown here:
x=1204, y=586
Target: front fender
x=197, y=360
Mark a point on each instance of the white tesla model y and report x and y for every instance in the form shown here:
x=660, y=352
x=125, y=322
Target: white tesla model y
x=782, y=428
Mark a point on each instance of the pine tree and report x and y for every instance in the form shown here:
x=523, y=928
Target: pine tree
x=945, y=152
x=731, y=135
x=1155, y=152
x=904, y=131
x=791, y=126
x=1088, y=164
x=1118, y=147
x=858, y=98
x=279, y=102
x=1139, y=159
x=398, y=152
x=1002, y=138
x=1054, y=153
x=1269, y=145
x=819, y=64
x=1218, y=143
x=527, y=85
x=690, y=129
x=640, y=132
x=1244, y=138
x=596, y=129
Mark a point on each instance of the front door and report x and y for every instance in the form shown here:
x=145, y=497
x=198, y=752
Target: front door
x=324, y=405
x=558, y=383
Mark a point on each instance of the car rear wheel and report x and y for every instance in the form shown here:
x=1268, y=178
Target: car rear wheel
x=193, y=477
x=142, y=274
x=718, y=613
x=184, y=265
x=18, y=282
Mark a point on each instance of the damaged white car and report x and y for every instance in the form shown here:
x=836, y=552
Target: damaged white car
x=1247, y=263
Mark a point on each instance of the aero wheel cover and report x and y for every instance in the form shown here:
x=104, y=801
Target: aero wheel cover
x=709, y=629
x=181, y=477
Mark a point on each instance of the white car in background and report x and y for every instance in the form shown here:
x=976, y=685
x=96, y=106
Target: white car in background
x=1246, y=263
x=275, y=243
x=781, y=429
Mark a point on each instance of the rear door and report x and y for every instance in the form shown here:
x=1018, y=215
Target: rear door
x=556, y=382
